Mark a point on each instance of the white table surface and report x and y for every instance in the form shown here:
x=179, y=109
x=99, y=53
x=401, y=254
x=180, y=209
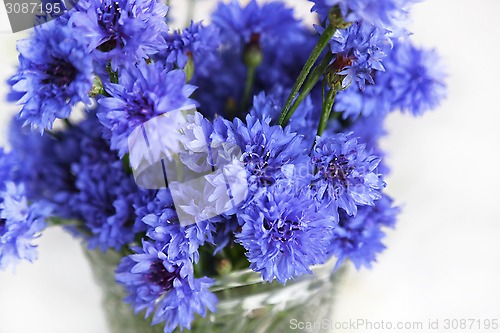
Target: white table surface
x=442, y=261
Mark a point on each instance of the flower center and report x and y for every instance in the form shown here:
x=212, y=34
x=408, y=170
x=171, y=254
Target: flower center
x=159, y=275
x=259, y=167
x=61, y=73
x=108, y=21
x=281, y=231
x=338, y=169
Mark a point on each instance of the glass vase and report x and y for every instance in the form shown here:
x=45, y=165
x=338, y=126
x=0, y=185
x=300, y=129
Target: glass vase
x=246, y=304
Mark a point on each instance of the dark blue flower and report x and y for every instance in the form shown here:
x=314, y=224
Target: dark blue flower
x=382, y=13
x=144, y=92
x=121, y=31
x=270, y=153
x=240, y=25
x=166, y=287
x=359, y=238
x=105, y=192
x=345, y=173
x=43, y=165
x=416, y=78
x=20, y=225
x=283, y=232
x=55, y=73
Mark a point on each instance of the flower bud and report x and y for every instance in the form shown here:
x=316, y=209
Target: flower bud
x=224, y=267
x=252, y=53
x=189, y=68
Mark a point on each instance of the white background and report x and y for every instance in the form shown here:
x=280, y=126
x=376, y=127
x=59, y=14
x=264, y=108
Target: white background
x=442, y=260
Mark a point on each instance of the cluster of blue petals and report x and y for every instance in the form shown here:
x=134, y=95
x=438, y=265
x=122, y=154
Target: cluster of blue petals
x=88, y=79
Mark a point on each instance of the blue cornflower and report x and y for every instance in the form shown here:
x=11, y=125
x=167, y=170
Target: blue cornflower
x=20, y=225
x=106, y=193
x=416, y=78
x=144, y=92
x=359, y=50
x=121, y=31
x=382, y=13
x=194, y=41
x=270, y=153
x=264, y=23
x=44, y=165
x=368, y=130
x=283, y=232
x=345, y=173
x=55, y=73
x=359, y=238
x=166, y=287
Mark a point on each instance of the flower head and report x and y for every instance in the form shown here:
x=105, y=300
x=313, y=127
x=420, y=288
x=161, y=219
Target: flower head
x=417, y=79
x=20, y=225
x=283, y=232
x=166, y=287
x=105, y=192
x=359, y=49
x=270, y=153
x=55, y=73
x=346, y=173
x=44, y=165
x=240, y=25
x=144, y=92
x=121, y=31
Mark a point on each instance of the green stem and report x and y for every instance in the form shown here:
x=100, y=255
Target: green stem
x=316, y=52
x=311, y=81
x=248, y=87
x=113, y=76
x=327, y=109
x=55, y=221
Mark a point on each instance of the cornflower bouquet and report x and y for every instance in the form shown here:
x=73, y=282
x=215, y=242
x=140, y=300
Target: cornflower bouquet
x=247, y=141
